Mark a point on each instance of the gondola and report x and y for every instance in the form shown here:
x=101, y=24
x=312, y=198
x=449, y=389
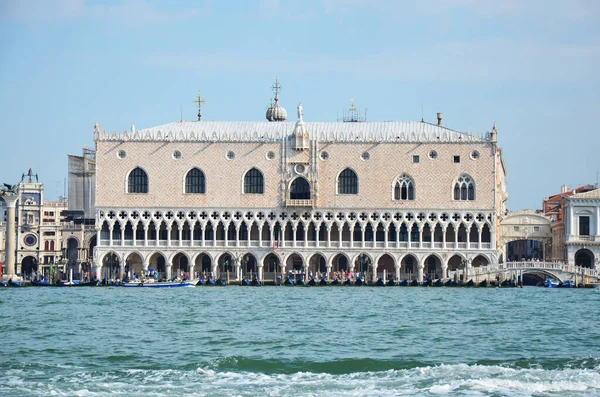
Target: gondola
x=484, y=283
x=348, y=282
x=324, y=282
x=380, y=283
x=201, y=282
x=391, y=282
x=427, y=283
x=245, y=282
x=438, y=283
x=12, y=284
x=288, y=281
x=403, y=283
x=221, y=283
x=256, y=283
x=335, y=282
x=470, y=283
x=300, y=281
x=359, y=281
x=508, y=284
x=450, y=283
x=61, y=283
x=568, y=284
x=312, y=282
x=414, y=283
x=211, y=282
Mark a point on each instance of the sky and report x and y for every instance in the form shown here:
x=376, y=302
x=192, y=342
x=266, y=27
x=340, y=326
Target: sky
x=531, y=67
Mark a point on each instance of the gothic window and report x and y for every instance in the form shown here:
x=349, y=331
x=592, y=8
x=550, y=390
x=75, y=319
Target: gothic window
x=138, y=181
x=347, y=182
x=464, y=188
x=300, y=189
x=404, y=188
x=254, y=182
x=195, y=182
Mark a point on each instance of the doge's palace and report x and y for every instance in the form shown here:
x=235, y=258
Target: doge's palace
x=412, y=199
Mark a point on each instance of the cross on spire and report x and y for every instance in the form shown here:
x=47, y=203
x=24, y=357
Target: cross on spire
x=276, y=88
x=199, y=101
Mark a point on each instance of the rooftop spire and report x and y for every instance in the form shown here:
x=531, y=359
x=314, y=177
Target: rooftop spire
x=199, y=101
x=276, y=88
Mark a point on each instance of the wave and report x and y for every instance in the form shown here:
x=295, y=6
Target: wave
x=230, y=376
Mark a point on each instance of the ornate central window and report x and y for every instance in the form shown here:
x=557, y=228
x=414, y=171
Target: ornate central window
x=464, y=188
x=195, y=181
x=254, y=182
x=347, y=182
x=404, y=188
x=138, y=181
x=300, y=189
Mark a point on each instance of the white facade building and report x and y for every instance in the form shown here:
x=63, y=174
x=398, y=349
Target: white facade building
x=409, y=198
x=581, y=228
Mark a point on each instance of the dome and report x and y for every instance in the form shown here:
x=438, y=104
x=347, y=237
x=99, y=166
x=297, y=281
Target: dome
x=276, y=112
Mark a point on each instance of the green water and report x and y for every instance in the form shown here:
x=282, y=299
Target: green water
x=278, y=341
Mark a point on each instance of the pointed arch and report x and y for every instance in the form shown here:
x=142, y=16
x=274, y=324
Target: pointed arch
x=195, y=181
x=254, y=182
x=464, y=188
x=300, y=189
x=404, y=188
x=137, y=181
x=347, y=182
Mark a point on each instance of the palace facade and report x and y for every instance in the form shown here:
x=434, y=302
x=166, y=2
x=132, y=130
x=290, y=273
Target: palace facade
x=408, y=198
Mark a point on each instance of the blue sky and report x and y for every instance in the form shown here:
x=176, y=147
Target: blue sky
x=530, y=66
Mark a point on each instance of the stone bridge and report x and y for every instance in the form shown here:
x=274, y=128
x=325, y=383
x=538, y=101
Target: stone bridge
x=558, y=270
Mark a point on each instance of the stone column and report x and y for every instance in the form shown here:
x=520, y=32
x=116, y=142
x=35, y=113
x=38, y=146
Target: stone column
x=238, y=271
x=328, y=270
x=145, y=235
x=169, y=269
x=11, y=235
x=397, y=268
x=374, y=277
x=479, y=242
x=111, y=227
x=444, y=270
x=260, y=272
x=420, y=267
x=180, y=229
x=444, y=228
x=328, y=236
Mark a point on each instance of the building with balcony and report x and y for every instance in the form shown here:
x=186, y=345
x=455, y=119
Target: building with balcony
x=576, y=230
x=408, y=198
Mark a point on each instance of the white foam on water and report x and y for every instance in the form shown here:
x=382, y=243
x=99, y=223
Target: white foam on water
x=460, y=379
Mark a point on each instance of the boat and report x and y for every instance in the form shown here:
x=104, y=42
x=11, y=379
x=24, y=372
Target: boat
x=438, y=283
x=312, y=282
x=391, y=282
x=508, y=284
x=470, y=283
x=484, y=283
x=380, y=283
x=11, y=283
x=348, y=282
x=201, y=282
x=335, y=282
x=427, y=283
x=300, y=281
x=63, y=283
x=246, y=282
x=256, y=283
x=450, y=283
x=568, y=284
x=288, y=281
x=551, y=283
x=323, y=282
x=359, y=281
x=414, y=283
x=158, y=284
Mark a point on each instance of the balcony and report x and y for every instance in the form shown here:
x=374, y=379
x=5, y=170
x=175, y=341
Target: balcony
x=299, y=203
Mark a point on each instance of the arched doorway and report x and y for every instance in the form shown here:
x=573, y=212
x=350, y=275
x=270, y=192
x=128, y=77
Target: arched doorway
x=524, y=250
x=479, y=261
x=408, y=268
x=111, y=266
x=225, y=266
x=433, y=267
x=386, y=264
x=363, y=263
x=456, y=266
x=271, y=267
x=180, y=266
x=134, y=264
x=317, y=263
x=584, y=258
x=29, y=265
x=159, y=263
x=73, y=256
x=340, y=263
x=203, y=264
x=249, y=266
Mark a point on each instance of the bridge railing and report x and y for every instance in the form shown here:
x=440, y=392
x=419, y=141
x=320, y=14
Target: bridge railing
x=557, y=266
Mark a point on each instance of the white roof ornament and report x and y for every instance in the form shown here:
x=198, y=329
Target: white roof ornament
x=300, y=112
x=132, y=128
x=495, y=128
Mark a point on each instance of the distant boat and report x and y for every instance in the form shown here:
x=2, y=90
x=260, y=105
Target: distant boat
x=161, y=284
x=11, y=283
x=61, y=283
x=551, y=283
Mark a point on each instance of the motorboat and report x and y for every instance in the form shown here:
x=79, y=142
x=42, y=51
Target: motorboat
x=551, y=283
x=12, y=283
x=64, y=283
x=151, y=283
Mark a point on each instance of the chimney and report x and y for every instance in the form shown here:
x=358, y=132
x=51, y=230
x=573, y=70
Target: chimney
x=439, y=116
x=564, y=189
